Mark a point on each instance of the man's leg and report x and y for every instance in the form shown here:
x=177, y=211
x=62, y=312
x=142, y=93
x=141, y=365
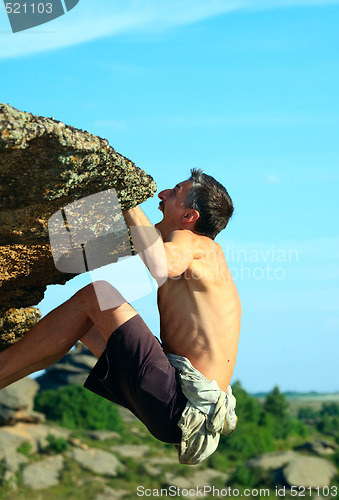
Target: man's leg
x=80, y=318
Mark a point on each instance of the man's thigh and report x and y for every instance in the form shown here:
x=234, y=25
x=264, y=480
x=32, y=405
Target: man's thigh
x=107, y=309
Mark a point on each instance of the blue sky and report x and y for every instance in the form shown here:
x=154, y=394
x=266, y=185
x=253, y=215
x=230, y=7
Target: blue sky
x=245, y=90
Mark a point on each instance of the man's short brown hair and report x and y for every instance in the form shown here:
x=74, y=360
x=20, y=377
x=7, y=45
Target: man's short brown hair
x=212, y=201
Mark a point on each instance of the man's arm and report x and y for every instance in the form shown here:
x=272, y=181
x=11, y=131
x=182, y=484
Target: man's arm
x=180, y=250
x=136, y=217
x=169, y=259
x=148, y=243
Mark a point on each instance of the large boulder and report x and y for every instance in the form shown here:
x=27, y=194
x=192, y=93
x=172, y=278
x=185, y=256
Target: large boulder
x=44, y=166
x=320, y=447
x=72, y=369
x=97, y=461
x=309, y=472
x=17, y=403
x=44, y=473
x=272, y=461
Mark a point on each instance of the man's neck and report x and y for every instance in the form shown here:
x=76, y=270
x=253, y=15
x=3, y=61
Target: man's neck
x=164, y=231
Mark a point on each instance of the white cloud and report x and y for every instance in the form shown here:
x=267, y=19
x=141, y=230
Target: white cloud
x=273, y=179
x=90, y=20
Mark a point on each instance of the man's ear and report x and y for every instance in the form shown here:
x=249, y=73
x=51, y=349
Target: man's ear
x=191, y=216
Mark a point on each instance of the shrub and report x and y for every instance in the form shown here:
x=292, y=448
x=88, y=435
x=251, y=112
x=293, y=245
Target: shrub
x=243, y=476
x=254, y=432
x=56, y=444
x=25, y=448
x=74, y=407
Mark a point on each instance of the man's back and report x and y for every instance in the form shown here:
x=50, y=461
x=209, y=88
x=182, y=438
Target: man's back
x=200, y=310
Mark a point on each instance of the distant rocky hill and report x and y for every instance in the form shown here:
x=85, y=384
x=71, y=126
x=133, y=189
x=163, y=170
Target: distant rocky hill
x=44, y=166
x=72, y=369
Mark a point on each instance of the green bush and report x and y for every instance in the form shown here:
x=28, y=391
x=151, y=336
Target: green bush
x=331, y=409
x=75, y=407
x=276, y=405
x=328, y=424
x=56, y=444
x=25, y=448
x=254, y=432
x=307, y=413
x=243, y=476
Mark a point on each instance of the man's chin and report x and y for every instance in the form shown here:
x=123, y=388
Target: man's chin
x=158, y=225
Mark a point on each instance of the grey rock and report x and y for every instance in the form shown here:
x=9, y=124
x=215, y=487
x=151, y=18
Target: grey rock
x=199, y=479
x=103, y=435
x=97, y=461
x=319, y=446
x=83, y=361
x=43, y=474
x=110, y=494
x=152, y=470
x=129, y=417
x=272, y=461
x=12, y=462
x=9, y=443
x=37, y=435
x=309, y=471
x=17, y=401
x=78, y=443
x=34, y=434
x=130, y=450
x=154, y=465
x=163, y=460
x=72, y=369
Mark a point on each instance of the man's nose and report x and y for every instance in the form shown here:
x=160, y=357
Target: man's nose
x=163, y=194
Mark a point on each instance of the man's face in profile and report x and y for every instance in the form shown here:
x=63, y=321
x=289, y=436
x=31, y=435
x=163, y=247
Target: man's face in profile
x=172, y=203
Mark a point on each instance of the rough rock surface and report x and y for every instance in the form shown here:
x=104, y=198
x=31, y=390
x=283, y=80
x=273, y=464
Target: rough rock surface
x=17, y=402
x=72, y=369
x=12, y=462
x=319, y=446
x=110, y=494
x=43, y=474
x=309, y=471
x=33, y=434
x=131, y=450
x=9, y=443
x=45, y=165
x=103, y=435
x=198, y=480
x=272, y=461
x=97, y=461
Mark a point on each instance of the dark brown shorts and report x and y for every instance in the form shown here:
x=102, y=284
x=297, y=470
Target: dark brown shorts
x=134, y=372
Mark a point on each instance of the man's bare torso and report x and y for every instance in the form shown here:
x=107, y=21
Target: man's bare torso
x=200, y=313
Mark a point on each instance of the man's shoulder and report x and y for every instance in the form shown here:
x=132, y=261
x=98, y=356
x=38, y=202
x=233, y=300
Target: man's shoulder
x=197, y=243
x=180, y=235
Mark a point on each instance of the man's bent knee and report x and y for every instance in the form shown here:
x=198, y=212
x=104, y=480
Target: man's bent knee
x=102, y=294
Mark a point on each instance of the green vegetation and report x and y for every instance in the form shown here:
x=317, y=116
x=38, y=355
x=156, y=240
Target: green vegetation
x=56, y=445
x=73, y=407
x=270, y=423
x=25, y=448
x=260, y=426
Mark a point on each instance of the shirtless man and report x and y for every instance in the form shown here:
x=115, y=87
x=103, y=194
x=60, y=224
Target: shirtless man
x=199, y=324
